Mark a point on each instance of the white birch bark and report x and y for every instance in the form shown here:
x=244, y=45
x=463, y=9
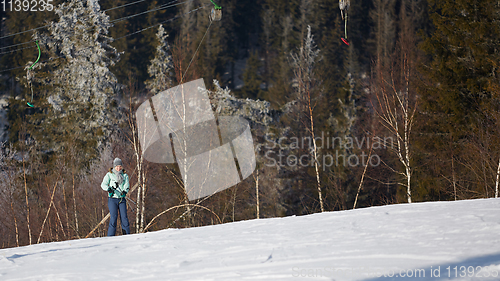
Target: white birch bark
x=498, y=178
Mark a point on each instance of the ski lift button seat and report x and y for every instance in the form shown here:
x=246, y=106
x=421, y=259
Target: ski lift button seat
x=216, y=14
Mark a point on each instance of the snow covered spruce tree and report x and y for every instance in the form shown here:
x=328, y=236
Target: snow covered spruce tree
x=79, y=103
x=161, y=67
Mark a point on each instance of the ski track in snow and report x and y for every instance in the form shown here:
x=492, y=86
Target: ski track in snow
x=361, y=244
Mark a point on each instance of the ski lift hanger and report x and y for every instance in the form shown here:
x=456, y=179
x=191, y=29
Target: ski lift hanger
x=216, y=13
x=30, y=104
x=344, y=6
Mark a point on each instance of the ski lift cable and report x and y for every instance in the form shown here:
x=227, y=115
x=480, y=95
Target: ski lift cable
x=40, y=27
x=161, y=7
x=21, y=32
x=127, y=35
x=149, y=27
x=124, y=5
x=12, y=51
x=10, y=46
x=195, y=52
x=113, y=21
x=33, y=29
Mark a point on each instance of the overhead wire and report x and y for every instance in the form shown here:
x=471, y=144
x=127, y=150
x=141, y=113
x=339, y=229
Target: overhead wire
x=124, y=5
x=12, y=51
x=127, y=35
x=10, y=46
x=195, y=52
x=172, y=19
x=21, y=32
x=40, y=27
x=161, y=7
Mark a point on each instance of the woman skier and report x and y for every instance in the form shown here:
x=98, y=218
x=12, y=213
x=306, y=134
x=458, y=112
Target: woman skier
x=117, y=185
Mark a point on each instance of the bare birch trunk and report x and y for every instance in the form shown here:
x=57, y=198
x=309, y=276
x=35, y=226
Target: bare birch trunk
x=362, y=178
x=139, y=159
x=257, y=194
x=27, y=202
x=234, y=199
x=66, y=207
x=141, y=176
x=137, y=211
x=184, y=131
x=408, y=184
x=60, y=221
x=407, y=144
x=498, y=178
x=143, y=206
x=15, y=221
x=74, y=208
x=315, y=155
x=48, y=212
x=454, y=179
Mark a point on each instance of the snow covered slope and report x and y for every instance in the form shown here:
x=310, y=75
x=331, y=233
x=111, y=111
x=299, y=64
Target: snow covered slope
x=439, y=240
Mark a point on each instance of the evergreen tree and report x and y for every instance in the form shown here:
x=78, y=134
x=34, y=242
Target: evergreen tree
x=464, y=49
x=384, y=19
x=252, y=78
x=161, y=67
x=79, y=106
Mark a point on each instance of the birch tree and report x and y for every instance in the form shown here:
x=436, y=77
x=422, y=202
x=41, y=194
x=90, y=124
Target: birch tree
x=397, y=100
x=133, y=138
x=397, y=115
x=161, y=72
x=141, y=176
x=303, y=64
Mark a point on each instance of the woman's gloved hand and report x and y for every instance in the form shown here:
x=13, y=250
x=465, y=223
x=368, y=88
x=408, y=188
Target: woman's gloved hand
x=111, y=192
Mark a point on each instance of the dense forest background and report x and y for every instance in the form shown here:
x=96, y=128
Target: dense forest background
x=409, y=111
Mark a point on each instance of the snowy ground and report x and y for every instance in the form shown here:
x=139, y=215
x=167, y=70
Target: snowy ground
x=441, y=240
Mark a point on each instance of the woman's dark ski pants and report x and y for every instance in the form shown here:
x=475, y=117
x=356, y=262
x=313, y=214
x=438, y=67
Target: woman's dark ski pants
x=114, y=204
